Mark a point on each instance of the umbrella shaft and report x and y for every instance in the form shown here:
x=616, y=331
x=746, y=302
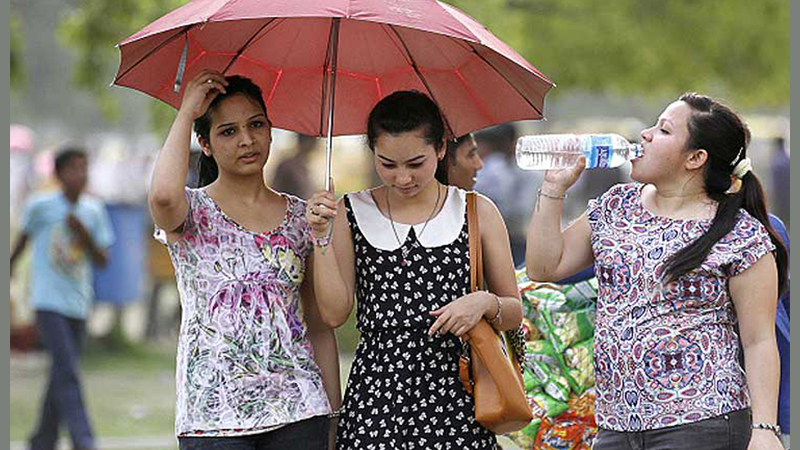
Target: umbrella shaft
x=332, y=96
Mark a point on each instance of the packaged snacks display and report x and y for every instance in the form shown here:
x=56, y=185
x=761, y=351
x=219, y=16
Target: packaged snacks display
x=559, y=374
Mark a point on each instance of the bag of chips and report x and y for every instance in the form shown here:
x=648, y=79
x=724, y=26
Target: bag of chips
x=559, y=434
x=565, y=329
x=577, y=365
x=546, y=403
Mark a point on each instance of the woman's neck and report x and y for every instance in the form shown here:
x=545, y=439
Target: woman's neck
x=687, y=200
x=249, y=189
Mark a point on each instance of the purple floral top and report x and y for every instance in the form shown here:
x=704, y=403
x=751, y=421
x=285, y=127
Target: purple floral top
x=244, y=363
x=665, y=355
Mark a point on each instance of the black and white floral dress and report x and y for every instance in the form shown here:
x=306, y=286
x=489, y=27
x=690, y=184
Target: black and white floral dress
x=404, y=391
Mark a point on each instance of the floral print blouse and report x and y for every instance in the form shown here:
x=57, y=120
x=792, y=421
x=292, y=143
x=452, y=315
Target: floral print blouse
x=244, y=363
x=665, y=355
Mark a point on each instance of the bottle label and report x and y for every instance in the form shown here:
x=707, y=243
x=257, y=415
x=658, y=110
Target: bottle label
x=601, y=151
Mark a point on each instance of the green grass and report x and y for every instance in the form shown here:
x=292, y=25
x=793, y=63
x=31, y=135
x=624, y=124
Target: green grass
x=129, y=389
x=129, y=392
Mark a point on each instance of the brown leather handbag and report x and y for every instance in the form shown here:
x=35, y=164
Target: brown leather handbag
x=489, y=367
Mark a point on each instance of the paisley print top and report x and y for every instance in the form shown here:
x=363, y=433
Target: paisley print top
x=669, y=354
x=244, y=363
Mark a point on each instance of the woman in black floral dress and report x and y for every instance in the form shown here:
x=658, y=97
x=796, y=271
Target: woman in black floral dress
x=402, y=250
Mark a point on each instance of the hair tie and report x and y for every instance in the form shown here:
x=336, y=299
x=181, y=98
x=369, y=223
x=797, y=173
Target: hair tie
x=738, y=155
x=742, y=167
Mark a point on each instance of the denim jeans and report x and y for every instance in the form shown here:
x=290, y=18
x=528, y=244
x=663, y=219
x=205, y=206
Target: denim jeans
x=726, y=432
x=309, y=434
x=63, y=400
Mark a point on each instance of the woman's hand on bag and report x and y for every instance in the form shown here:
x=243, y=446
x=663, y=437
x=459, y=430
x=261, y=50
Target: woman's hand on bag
x=461, y=315
x=764, y=440
x=320, y=211
x=556, y=182
x=200, y=92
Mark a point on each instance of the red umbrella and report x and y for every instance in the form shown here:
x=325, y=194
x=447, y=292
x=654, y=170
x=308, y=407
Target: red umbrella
x=306, y=53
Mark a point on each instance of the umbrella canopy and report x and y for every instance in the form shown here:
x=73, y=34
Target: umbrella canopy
x=301, y=52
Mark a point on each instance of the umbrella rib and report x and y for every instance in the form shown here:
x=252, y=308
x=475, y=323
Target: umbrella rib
x=471, y=46
x=247, y=44
x=154, y=50
x=421, y=77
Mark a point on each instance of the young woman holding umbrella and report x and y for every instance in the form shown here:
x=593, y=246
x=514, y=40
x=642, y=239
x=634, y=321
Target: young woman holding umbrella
x=246, y=373
x=401, y=250
x=688, y=269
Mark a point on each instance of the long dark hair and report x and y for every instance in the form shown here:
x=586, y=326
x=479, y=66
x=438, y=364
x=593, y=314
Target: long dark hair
x=451, y=148
x=717, y=129
x=404, y=111
x=206, y=166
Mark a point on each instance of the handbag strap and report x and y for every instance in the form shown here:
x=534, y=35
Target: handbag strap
x=475, y=253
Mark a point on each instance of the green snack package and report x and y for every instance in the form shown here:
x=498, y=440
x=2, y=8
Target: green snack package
x=532, y=429
x=532, y=382
x=546, y=298
x=541, y=350
x=580, y=295
x=564, y=329
x=551, y=406
x=577, y=365
x=553, y=383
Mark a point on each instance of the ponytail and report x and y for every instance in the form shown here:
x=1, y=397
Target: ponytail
x=717, y=129
x=750, y=197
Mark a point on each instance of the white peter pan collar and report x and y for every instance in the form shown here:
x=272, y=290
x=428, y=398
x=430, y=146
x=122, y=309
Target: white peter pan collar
x=442, y=229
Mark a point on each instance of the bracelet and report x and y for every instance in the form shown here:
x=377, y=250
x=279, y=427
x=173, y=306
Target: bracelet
x=768, y=426
x=542, y=193
x=321, y=242
x=335, y=414
x=497, y=317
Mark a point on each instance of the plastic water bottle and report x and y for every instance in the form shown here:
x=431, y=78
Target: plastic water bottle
x=560, y=151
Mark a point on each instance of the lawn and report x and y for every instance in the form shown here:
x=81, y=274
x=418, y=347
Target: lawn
x=129, y=392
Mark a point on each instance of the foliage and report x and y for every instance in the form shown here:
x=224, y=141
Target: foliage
x=16, y=50
x=651, y=48
x=93, y=29
x=738, y=50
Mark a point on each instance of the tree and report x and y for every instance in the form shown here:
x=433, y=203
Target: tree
x=16, y=50
x=738, y=50
x=93, y=29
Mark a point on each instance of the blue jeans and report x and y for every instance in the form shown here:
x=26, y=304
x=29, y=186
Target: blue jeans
x=63, y=400
x=726, y=432
x=309, y=434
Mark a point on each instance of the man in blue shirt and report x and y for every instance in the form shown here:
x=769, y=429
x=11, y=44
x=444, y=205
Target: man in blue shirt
x=69, y=232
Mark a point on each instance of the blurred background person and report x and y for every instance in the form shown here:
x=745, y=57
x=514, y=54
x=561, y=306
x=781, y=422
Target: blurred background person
x=292, y=175
x=512, y=189
x=69, y=232
x=21, y=153
x=779, y=187
x=461, y=163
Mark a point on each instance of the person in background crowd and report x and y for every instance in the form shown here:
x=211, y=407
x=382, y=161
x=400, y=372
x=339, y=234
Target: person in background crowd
x=70, y=232
x=461, y=163
x=510, y=188
x=292, y=175
x=780, y=189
